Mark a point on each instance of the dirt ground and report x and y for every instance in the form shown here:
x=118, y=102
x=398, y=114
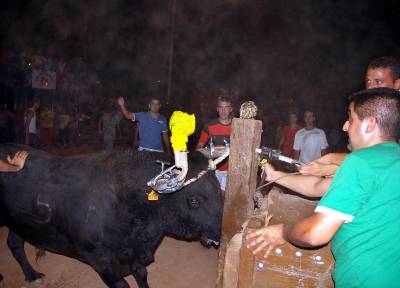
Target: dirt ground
x=178, y=264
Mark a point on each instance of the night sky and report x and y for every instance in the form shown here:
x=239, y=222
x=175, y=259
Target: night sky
x=313, y=51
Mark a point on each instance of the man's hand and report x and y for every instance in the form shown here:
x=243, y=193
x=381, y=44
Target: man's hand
x=323, y=166
x=121, y=101
x=316, y=168
x=265, y=238
x=18, y=160
x=267, y=171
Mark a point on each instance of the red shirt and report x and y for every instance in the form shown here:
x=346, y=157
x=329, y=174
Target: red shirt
x=218, y=133
x=288, y=135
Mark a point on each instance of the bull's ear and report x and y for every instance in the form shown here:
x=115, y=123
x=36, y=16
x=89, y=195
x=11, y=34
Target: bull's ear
x=193, y=203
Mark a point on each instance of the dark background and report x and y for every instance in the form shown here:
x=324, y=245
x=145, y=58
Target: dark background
x=304, y=53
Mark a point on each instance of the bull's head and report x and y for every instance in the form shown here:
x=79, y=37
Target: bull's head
x=200, y=204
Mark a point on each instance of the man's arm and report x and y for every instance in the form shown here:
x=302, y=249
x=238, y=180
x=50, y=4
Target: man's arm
x=324, y=166
x=29, y=116
x=203, y=139
x=165, y=138
x=314, y=231
x=100, y=127
x=310, y=186
x=281, y=142
x=14, y=164
x=125, y=112
x=136, y=136
x=296, y=154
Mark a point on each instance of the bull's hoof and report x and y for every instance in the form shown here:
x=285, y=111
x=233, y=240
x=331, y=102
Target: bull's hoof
x=36, y=277
x=1, y=281
x=38, y=282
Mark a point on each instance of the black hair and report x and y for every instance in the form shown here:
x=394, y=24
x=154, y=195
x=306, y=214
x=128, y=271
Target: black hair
x=381, y=103
x=387, y=62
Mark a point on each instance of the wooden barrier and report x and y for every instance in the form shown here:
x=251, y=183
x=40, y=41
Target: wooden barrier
x=288, y=266
x=243, y=162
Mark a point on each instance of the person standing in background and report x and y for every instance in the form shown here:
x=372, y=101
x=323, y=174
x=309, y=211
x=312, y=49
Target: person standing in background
x=30, y=125
x=218, y=132
x=288, y=134
x=310, y=142
x=46, y=126
x=108, y=124
x=5, y=119
x=153, y=130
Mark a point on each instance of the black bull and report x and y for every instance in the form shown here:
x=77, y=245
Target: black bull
x=95, y=208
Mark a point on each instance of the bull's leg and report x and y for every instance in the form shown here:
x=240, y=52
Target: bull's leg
x=106, y=274
x=1, y=281
x=140, y=275
x=16, y=245
x=113, y=282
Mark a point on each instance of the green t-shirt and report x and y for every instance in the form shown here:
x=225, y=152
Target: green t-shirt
x=365, y=193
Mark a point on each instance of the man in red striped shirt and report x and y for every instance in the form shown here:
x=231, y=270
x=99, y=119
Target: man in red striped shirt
x=218, y=132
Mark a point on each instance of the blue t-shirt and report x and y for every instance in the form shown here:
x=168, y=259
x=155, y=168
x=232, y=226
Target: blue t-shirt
x=150, y=129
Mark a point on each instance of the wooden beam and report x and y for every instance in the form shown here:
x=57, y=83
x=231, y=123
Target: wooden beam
x=242, y=178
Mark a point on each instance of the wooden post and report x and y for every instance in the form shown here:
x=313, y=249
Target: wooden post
x=242, y=178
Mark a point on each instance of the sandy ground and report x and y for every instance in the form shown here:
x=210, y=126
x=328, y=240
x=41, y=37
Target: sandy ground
x=178, y=264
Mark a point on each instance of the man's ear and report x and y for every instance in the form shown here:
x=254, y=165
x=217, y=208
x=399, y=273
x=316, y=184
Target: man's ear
x=370, y=124
x=397, y=84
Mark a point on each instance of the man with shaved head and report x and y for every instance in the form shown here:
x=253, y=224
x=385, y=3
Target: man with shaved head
x=360, y=211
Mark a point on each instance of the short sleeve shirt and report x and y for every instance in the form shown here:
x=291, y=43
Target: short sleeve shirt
x=365, y=194
x=219, y=134
x=150, y=129
x=289, y=133
x=47, y=119
x=310, y=143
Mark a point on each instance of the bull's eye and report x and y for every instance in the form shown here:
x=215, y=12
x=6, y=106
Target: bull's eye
x=194, y=203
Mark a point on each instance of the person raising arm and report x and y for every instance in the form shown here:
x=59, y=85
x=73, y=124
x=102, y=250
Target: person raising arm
x=14, y=164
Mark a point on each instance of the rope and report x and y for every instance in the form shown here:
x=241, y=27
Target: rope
x=212, y=165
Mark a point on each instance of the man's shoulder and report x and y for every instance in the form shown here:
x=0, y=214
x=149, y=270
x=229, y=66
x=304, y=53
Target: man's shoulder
x=212, y=122
x=301, y=131
x=162, y=118
x=216, y=123
x=382, y=151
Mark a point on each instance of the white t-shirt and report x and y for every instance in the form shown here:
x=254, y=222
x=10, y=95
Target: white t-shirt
x=32, y=124
x=310, y=143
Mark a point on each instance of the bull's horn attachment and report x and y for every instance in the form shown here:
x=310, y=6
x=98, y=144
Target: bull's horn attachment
x=166, y=182
x=212, y=164
x=272, y=154
x=182, y=125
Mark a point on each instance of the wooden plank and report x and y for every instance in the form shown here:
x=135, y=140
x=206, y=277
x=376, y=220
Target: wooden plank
x=242, y=178
x=232, y=259
x=287, y=266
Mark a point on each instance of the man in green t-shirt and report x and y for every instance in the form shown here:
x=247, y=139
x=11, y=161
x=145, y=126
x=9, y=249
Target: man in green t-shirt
x=360, y=211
